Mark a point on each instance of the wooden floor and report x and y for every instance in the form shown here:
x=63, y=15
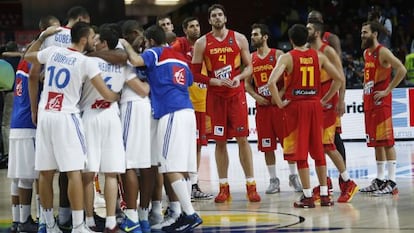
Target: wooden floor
x=275, y=213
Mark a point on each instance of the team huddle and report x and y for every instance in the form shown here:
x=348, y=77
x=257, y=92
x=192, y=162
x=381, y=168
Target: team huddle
x=139, y=105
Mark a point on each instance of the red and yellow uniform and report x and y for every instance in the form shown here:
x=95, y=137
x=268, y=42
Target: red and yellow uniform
x=226, y=107
x=378, y=115
x=303, y=115
x=269, y=117
x=330, y=116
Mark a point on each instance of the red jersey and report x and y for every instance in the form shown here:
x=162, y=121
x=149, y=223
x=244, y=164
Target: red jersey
x=376, y=78
x=262, y=68
x=325, y=37
x=223, y=60
x=180, y=44
x=304, y=83
x=326, y=82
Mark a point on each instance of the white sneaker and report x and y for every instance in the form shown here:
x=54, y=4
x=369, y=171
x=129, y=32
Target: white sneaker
x=274, y=186
x=54, y=229
x=82, y=229
x=99, y=201
x=154, y=218
x=169, y=218
x=295, y=182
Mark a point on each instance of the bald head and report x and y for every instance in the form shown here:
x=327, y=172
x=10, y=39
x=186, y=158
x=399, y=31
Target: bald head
x=315, y=16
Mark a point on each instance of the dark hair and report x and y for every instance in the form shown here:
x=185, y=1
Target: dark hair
x=162, y=17
x=298, y=33
x=216, y=6
x=375, y=26
x=130, y=26
x=79, y=30
x=156, y=33
x=109, y=34
x=187, y=20
x=319, y=27
x=76, y=11
x=264, y=29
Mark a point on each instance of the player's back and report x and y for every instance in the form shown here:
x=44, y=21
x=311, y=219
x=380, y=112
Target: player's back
x=61, y=39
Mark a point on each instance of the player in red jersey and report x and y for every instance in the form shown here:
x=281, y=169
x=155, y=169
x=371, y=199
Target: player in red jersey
x=302, y=107
x=224, y=52
x=378, y=85
x=268, y=116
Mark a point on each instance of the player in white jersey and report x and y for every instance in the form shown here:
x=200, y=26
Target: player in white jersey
x=62, y=39
x=103, y=129
x=60, y=141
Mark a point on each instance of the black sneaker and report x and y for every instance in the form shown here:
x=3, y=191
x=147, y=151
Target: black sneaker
x=65, y=227
x=389, y=187
x=376, y=184
x=197, y=194
x=28, y=226
x=99, y=222
x=185, y=223
x=13, y=227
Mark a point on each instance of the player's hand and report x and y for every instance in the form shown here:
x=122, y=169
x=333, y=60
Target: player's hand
x=262, y=101
x=340, y=108
x=49, y=31
x=378, y=95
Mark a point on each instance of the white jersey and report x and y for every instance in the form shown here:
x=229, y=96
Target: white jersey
x=65, y=72
x=130, y=95
x=61, y=39
x=114, y=76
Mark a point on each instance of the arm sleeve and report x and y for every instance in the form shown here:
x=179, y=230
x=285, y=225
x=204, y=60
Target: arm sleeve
x=198, y=77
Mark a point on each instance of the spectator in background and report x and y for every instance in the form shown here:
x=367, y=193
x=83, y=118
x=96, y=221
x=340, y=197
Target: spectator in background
x=384, y=37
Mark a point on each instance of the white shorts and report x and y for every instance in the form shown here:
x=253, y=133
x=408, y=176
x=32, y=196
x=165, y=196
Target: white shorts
x=176, y=135
x=60, y=142
x=104, y=141
x=22, y=154
x=136, y=120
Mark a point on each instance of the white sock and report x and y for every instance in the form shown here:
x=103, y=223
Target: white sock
x=189, y=184
x=143, y=214
x=250, y=180
x=16, y=213
x=323, y=190
x=41, y=216
x=193, y=177
x=132, y=214
x=25, y=211
x=345, y=175
x=381, y=170
x=156, y=207
x=110, y=222
x=307, y=192
x=77, y=218
x=38, y=212
x=49, y=218
x=272, y=171
x=293, y=169
x=223, y=181
x=184, y=197
x=391, y=164
x=90, y=221
x=175, y=206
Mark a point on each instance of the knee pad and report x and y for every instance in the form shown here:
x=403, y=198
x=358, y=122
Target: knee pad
x=320, y=162
x=26, y=183
x=14, y=190
x=302, y=164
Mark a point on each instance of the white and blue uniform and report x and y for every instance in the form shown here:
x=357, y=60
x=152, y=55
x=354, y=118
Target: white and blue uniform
x=60, y=139
x=136, y=126
x=61, y=39
x=22, y=130
x=101, y=120
x=174, y=138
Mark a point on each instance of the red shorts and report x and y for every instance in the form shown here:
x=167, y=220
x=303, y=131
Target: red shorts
x=302, y=132
x=227, y=116
x=378, y=127
x=269, y=126
x=329, y=127
x=201, y=128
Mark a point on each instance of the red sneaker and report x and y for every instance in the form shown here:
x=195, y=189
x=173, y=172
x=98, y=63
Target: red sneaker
x=224, y=194
x=349, y=188
x=252, y=194
x=316, y=191
x=304, y=202
x=326, y=201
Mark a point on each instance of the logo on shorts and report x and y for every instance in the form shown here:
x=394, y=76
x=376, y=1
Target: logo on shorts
x=54, y=101
x=219, y=130
x=266, y=142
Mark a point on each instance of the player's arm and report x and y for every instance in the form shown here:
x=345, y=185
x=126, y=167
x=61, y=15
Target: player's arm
x=335, y=43
x=336, y=61
x=140, y=87
x=134, y=58
x=31, y=53
x=103, y=89
x=246, y=60
x=281, y=66
x=197, y=62
x=388, y=59
x=33, y=85
x=113, y=56
x=338, y=79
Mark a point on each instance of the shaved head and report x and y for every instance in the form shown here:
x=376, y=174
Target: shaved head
x=315, y=16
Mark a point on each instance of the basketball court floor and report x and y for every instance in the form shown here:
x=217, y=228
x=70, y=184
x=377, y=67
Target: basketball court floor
x=275, y=213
